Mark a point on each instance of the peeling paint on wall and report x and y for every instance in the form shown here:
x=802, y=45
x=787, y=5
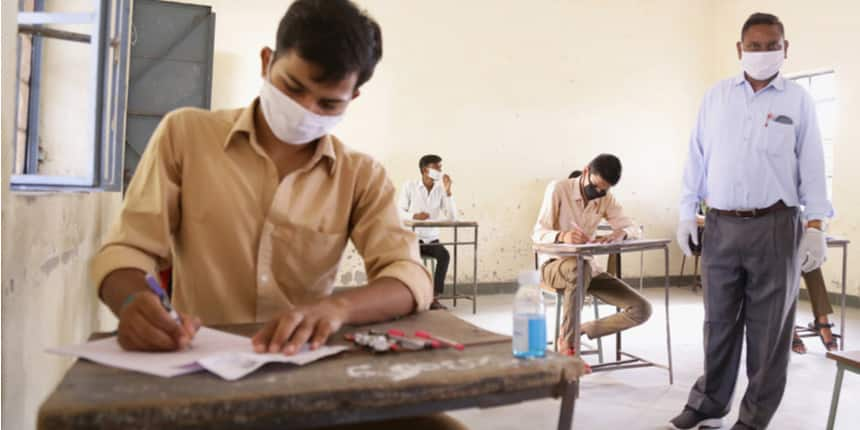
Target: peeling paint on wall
x=49, y=265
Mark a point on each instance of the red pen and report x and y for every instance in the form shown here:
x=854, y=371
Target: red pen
x=451, y=343
x=400, y=336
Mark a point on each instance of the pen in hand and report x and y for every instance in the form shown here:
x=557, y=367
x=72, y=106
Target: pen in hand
x=155, y=286
x=581, y=231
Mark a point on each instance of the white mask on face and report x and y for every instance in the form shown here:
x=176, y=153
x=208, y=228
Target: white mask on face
x=762, y=65
x=434, y=174
x=289, y=121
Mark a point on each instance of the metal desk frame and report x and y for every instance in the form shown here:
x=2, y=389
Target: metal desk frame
x=631, y=361
x=841, y=367
x=456, y=226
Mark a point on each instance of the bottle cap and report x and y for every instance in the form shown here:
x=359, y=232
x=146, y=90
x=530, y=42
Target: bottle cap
x=529, y=277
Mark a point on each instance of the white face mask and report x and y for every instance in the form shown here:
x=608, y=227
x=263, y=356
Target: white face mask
x=762, y=65
x=289, y=121
x=434, y=174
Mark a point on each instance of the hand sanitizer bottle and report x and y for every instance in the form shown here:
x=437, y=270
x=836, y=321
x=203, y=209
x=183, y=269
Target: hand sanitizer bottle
x=529, y=318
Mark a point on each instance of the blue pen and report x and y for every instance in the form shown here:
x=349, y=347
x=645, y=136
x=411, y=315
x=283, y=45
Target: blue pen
x=155, y=286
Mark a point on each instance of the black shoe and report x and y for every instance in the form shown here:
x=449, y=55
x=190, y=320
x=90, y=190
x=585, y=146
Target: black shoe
x=435, y=305
x=692, y=419
x=741, y=426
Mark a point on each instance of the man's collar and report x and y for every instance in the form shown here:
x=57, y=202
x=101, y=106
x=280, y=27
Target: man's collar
x=245, y=124
x=577, y=192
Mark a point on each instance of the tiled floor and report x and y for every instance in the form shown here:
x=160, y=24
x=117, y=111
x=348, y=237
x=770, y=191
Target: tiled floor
x=643, y=399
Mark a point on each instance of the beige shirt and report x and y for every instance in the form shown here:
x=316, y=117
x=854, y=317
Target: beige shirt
x=565, y=207
x=245, y=246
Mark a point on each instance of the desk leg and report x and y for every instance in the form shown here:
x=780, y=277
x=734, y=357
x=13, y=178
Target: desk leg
x=618, y=341
x=834, y=402
x=842, y=307
x=455, y=266
x=617, y=309
x=475, y=274
x=568, y=400
x=668, y=330
x=599, y=339
x=579, y=296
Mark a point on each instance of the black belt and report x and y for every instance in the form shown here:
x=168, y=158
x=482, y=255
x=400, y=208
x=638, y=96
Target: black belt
x=754, y=213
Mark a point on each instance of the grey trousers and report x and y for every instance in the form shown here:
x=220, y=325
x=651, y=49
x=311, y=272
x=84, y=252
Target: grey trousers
x=751, y=277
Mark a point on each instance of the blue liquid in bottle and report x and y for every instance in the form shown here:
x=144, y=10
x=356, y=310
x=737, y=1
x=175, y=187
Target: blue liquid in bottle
x=529, y=340
x=529, y=336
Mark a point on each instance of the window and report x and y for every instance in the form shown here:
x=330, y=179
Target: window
x=71, y=94
x=822, y=86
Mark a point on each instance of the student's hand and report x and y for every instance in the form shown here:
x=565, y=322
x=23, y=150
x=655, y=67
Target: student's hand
x=421, y=216
x=302, y=324
x=144, y=325
x=612, y=238
x=573, y=237
x=446, y=182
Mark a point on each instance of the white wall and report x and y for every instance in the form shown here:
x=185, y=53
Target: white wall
x=512, y=94
x=47, y=240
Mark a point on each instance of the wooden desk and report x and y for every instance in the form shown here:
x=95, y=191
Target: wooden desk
x=355, y=386
x=456, y=226
x=580, y=252
x=844, y=361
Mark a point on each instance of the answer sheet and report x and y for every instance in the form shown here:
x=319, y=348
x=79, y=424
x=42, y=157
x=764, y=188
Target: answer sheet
x=227, y=355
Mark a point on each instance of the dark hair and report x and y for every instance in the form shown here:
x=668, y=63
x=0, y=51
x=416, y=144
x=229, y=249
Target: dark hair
x=333, y=34
x=759, y=18
x=607, y=166
x=428, y=160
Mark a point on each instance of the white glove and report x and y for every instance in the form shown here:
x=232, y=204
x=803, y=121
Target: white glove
x=813, y=250
x=687, y=230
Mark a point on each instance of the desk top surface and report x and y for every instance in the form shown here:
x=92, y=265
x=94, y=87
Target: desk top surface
x=414, y=223
x=848, y=358
x=325, y=392
x=565, y=250
x=837, y=241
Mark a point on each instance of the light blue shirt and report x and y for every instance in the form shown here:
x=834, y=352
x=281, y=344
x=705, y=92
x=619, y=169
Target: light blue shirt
x=749, y=150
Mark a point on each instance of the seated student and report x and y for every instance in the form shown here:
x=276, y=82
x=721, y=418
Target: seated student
x=575, y=209
x=430, y=198
x=814, y=280
x=253, y=207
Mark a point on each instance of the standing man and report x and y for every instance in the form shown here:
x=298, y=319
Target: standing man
x=430, y=199
x=755, y=157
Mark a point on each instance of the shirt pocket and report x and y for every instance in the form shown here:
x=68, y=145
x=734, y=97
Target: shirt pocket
x=779, y=139
x=305, y=260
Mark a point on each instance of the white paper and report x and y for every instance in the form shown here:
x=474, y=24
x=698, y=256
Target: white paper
x=235, y=365
x=227, y=355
